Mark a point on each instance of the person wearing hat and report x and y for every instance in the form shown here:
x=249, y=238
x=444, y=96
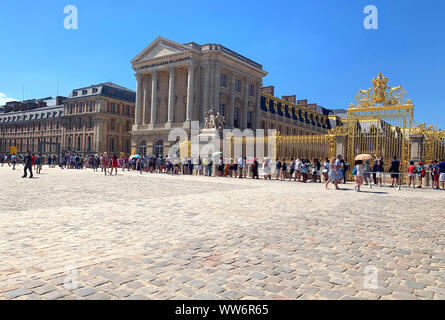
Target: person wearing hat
x=28, y=165
x=421, y=172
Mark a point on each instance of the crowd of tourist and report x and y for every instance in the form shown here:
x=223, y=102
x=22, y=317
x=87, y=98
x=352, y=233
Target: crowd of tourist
x=369, y=172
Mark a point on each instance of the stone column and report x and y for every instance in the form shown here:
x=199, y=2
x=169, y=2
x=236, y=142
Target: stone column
x=171, y=97
x=217, y=88
x=154, y=91
x=206, y=106
x=190, y=84
x=231, y=114
x=258, y=106
x=138, y=99
x=145, y=99
x=246, y=103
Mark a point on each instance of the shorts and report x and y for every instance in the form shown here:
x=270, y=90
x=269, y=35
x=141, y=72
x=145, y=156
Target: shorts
x=436, y=177
x=394, y=176
x=379, y=175
x=442, y=177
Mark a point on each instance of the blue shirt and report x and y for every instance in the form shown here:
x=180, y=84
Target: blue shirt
x=442, y=167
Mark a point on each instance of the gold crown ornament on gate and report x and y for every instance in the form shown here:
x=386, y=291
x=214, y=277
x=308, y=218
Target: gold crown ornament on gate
x=380, y=95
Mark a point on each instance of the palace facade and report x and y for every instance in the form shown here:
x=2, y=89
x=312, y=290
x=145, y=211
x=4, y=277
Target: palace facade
x=26, y=124
x=179, y=83
x=98, y=119
x=93, y=119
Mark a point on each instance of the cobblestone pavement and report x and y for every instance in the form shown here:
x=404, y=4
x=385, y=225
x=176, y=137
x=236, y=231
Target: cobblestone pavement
x=80, y=235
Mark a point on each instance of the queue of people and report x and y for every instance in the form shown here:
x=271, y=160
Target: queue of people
x=294, y=169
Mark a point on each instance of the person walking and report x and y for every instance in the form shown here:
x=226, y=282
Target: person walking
x=367, y=167
x=114, y=164
x=394, y=170
x=39, y=163
x=359, y=171
x=380, y=170
x=325, y=169
x=221, y=167
x=412, y=171
x=283, y=170
x=421, y=173
x=316, y=166
x=441, y=167
x=332, y=175
x=304, y=170
x=28, y=165
x=255, y=169
x=106, y=161
x=210, y=167
x=13, y=161
x=292, y=170
x=240, y=167
x=267, y=170
x=435, y=174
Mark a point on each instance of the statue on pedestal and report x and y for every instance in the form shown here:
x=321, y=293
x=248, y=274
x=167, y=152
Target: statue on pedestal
x=213, y=120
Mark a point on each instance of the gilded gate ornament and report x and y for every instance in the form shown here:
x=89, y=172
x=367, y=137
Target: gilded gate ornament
x=380, y=95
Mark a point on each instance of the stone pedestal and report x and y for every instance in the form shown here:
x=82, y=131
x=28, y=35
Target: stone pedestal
x=209, y=142
x=416, y=142
x=340, y=146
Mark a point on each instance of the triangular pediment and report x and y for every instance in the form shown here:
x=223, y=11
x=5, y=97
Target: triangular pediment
x=159, y=48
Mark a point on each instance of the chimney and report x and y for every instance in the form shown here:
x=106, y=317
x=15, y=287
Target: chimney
x=291, y=99
x=268, y=90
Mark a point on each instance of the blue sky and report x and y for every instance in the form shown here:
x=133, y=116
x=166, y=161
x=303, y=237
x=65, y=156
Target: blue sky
x=316, y=49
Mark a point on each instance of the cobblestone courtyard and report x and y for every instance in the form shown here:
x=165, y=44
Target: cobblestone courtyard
x=183, y=237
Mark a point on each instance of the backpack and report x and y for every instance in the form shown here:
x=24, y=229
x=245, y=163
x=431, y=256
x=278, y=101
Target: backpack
x=354, y=171
x=423, y=173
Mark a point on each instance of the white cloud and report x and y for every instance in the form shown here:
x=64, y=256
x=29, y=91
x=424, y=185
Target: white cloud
x=4, y=99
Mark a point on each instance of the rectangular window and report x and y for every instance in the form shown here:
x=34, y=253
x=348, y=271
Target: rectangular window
x=89, y=143
x=113, y=124
x=236, y=118
x=223, y=80
x=222, y=109
x=249, y=119
x=90, y=108
x=111, y=144
x=128, y=126
x=251, y=90
x=127, y=146
x=127, y=110
x=113, y=108
x=238, y=85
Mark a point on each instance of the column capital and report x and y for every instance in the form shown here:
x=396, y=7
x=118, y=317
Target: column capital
x=172, y=69
x=191, y=66
x=138, y=76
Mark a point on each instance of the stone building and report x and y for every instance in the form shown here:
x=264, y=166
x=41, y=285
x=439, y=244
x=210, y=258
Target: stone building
x=91, y=120
x=291, y=117
x=98, y=119
x=178, y=83
x=27, y=124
